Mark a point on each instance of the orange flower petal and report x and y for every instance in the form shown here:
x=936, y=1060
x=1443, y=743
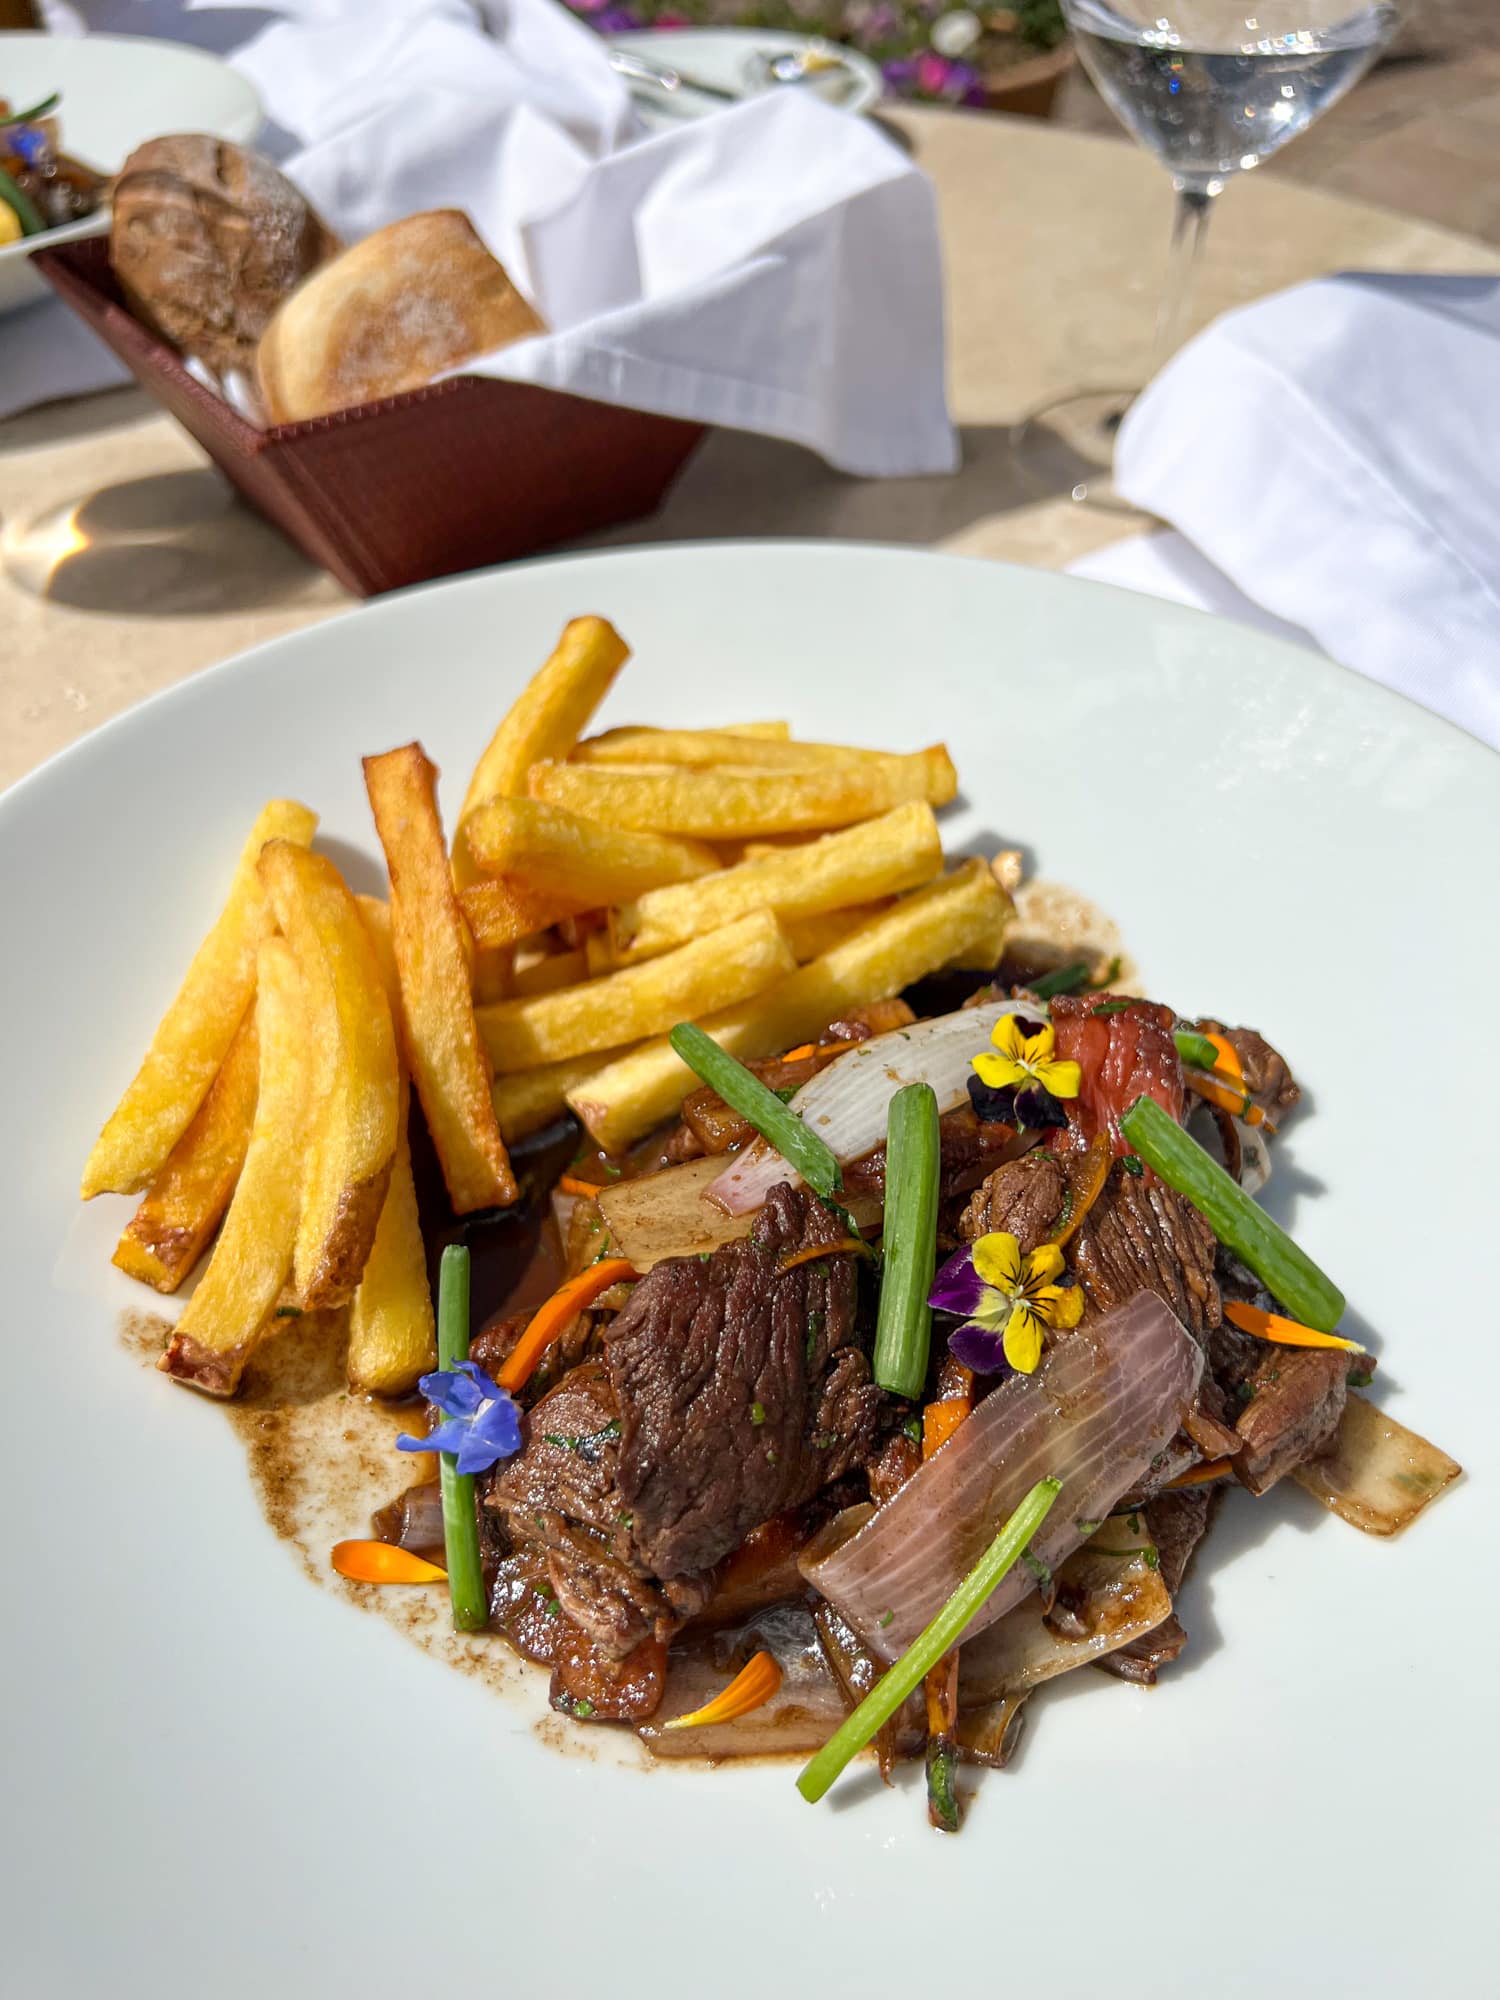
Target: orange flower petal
x=1285, y=1332
x=751, y=1688
x=383, y=1562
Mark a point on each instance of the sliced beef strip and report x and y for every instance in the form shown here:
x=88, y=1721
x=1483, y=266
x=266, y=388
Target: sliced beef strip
x=1268, y=1077
x=560, y=1498
x=1284, y=1402
x=1141, y=1236
x=740, y=1389
x=1297, y=1397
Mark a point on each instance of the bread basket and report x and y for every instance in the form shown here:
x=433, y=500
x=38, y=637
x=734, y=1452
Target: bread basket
x=453, y=477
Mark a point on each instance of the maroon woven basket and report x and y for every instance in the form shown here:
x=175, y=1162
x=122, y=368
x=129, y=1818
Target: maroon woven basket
x=466, y=473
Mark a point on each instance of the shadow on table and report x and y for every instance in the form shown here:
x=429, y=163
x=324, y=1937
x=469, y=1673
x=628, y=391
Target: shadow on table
x=177, y=544
x=739, y=486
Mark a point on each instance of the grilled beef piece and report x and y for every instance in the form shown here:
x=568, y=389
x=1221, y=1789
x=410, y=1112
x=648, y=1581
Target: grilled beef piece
x=740, y=1389
x=1024, y=1198
x=1284, y=1402
x=968, y=1149
x=1297, y=1397
x=1268, y=1078
x=1141, y=1236
x=561, y=1496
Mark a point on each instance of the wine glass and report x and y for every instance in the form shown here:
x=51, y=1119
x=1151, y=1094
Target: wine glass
x=1212, y=88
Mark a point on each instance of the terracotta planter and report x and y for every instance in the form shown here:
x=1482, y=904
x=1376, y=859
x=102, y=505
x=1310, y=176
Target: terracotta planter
x=1029, y=89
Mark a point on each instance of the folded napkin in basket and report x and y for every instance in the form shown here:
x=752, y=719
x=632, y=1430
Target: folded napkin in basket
x=772, y=268
x=1335, y=451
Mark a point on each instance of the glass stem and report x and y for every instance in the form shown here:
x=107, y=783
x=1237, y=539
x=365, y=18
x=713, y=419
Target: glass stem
x=1189, y=221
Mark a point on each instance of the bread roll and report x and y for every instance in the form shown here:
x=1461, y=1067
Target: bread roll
x=417, y=297
x=207, y=240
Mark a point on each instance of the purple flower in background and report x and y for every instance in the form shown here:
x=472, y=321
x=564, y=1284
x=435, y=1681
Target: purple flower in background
x=616, y=21
x=586, y=6
x=483, y=1424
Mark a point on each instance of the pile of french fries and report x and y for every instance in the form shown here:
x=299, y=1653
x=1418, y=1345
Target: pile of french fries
x=598, y=890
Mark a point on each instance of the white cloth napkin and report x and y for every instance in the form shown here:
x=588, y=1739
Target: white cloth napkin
x=1334, y=452
x=773, y=268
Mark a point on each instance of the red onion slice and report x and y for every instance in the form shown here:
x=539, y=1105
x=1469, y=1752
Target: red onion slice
x=1103, y=1403
x=846, y=1104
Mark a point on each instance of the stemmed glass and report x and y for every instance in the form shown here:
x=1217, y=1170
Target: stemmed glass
x=1212, y=88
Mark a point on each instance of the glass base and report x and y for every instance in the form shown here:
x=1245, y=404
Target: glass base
x=1068, y=446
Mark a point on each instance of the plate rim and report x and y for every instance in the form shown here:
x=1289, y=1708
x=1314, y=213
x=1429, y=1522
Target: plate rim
x=246, y=658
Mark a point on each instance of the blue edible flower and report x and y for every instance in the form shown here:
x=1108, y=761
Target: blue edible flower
x=483, y=1424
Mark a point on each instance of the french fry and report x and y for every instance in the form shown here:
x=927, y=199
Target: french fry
x=532, y=1098
x=578, y=860
x=228, y=1313
x=392, y=1335
x=900, y=850
x=727, y=805
x=810, y=937
x=547, y=974
x=544, y=721
x=714, y=971
x=187, y=1198
x=960, y=916
x=354, y=1096
x=437, y=1009
x=500, y=912
x=713, y=747
x=189, y=1047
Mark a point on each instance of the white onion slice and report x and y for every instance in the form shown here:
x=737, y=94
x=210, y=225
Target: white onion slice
x=846, y=1104
x=1104, y=1402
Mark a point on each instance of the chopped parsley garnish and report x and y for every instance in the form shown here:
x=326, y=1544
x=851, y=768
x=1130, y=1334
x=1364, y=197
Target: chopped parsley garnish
x=757, y=1413
x=887, y=1618
x=1037, y=1567
x=912, y=1429
x=1133, y=1164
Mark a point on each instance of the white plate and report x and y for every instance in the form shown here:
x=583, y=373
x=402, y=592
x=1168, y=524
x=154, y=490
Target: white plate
x=730, y=58
x=221, y=1779
x=117, y=92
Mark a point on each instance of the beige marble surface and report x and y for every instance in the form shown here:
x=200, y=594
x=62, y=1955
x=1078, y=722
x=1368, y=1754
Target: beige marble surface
x=125, y=565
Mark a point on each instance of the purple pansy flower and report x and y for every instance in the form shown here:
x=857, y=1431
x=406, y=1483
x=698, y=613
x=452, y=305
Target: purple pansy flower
x=1008, y=1300
x=483, y=1424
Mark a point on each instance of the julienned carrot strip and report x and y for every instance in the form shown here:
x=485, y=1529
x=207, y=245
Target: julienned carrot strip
x=1201, y=1475
x=549, y=1320
x=801, y=1053
x=1228, y=1096
x=811, y=1252
x=940, y=1420
x=569, y=1184
x=1228, y=1065
x=751, y=1688
x=1285, y=1332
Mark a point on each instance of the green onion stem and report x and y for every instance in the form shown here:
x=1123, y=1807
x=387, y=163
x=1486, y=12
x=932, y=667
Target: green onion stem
x=744, y=1092
x=903, y=1330
x=1240, y=1224
x=31, y=219
x=1197, y=1051
x=888, y=1693
x=460, y=1527
x=1065, y=979
x=38, y=110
